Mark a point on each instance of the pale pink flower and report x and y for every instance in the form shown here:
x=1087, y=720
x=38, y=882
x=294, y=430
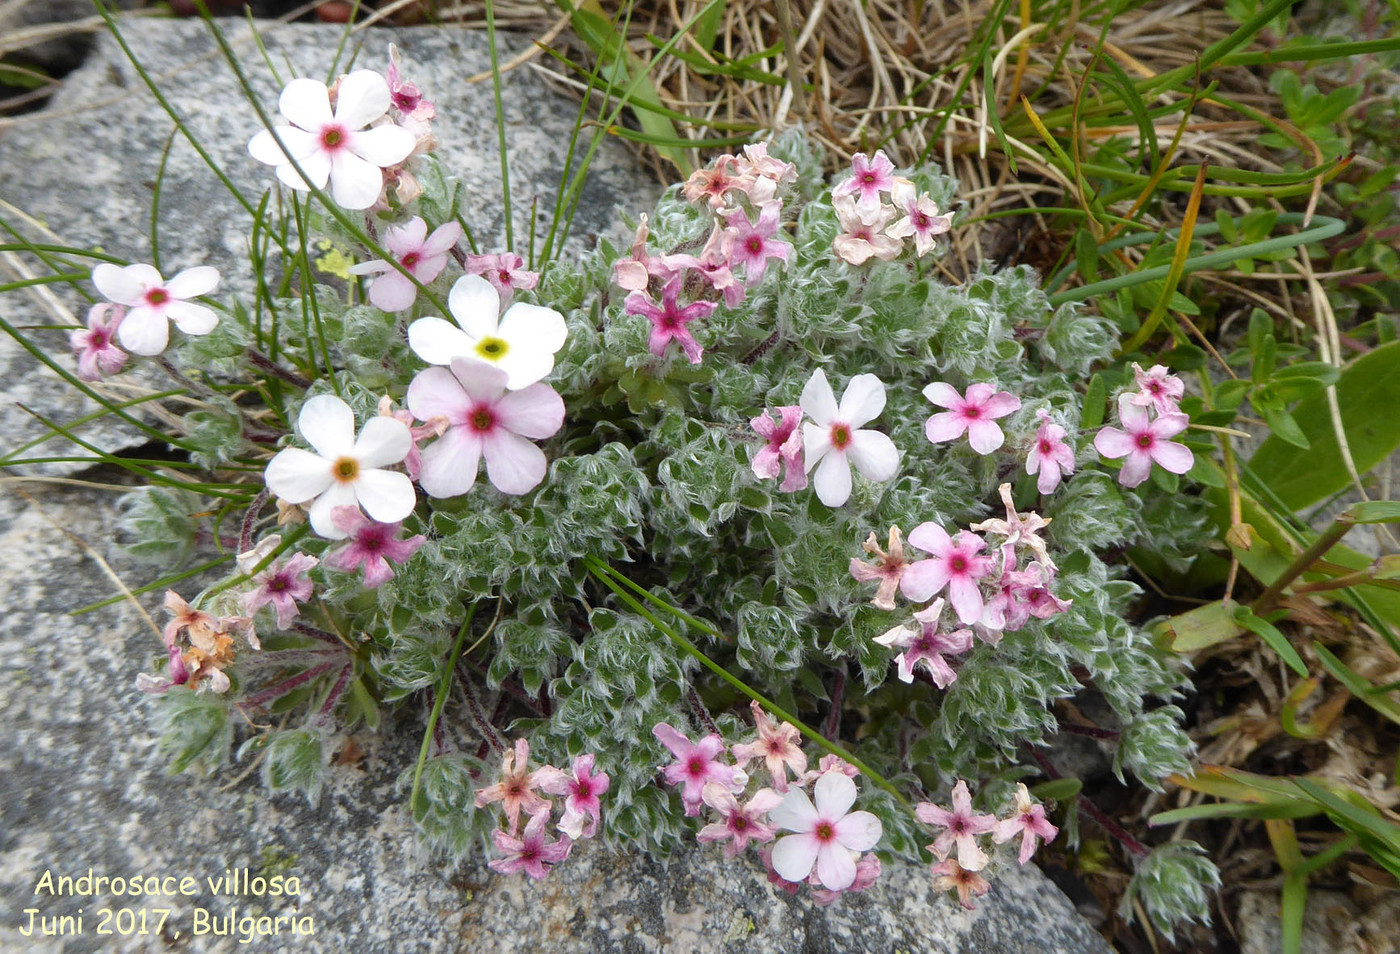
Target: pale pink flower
x=522, y=342
x=530, y=853
x=742, y=823
x=176, y=675
x=867, y=873
x=515, y=789
x=152, y=303
x=887, y=568
x=1018, y=529
x=485, y=420
x=974, y=415
x=424, y=256
x=404, y=96
x=336, y=149
x=836, y=440
x=956, y=563
x=1028, y=820
x=828, y=836
x=1050, y=456
x=926, y=645
x=869, y=178
x=715, y=267
x=185, y=617
x=784, y=447
x=752, y=244
x=344, y=470
x=669, y=319
x=960, y=826
x=506, y=272
x=862, y=235
x=284, y=586
x=1144, y=441
x=372, y=545
x=765, y=855
x=777, y=745
x=413, y=461
x=1158, y=388
x=714, y=184
x=829, y=763
x=697, y=763
x=581, y=787
x=631, y=273
x=951, y=876
x=98, y=357
x=921, y=218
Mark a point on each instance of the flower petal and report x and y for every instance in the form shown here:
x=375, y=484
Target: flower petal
x=193, y=282
x=450, y=463
x=125, y=286
x=1113, y=443
x=391, y=291
x=300, y=144
x=523, y=364
x=363, y=96
x=862, y=401
x=1174, y=457
x=513, y=464
x=321, y=514
x=382, y=146
x=306, y=103
x=443, y=238
x=476, y=306
x=438, y=341
x=480, y=380
x=317, y=167
x=190, y=318
x=930, y=537
x=544, y=328
x=944, y=395
x=535, y=412
x=144, y=331
x=922, y=579
x=985, y=436
x=387, y=496
x=435, y=392
x=794, y=855
x=874, y=455
x=355, y=183
x=818, y=400
x=836, y=869
x=946, y=426
x=383, y=441
x=859, y=831
x=795, y=812
x=834, y=794
x=832, y=479
x=297, y=475
x=327, y=424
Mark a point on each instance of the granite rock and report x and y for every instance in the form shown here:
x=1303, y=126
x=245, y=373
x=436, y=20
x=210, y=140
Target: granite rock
x=84, y=169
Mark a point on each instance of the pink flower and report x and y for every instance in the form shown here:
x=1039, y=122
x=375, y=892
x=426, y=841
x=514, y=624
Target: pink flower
x=714, y=184
x=97, y=356
x=887, y=568
x=424, y=256
x=867, y=873
x=777, y=745
x=869, y=178
x=835, y=440
x=582, y=788
x=697, y=764
x=765, y=855
x=1158, y=388
x=955, y=563
x=530, y=853
x=1028, y=821
x=714, y=266
x=765, y=172
x=1020, y=595
x=960, y=825
x=742, y=823
x=516, y=790
x=485, y=420
x=927, y=645
x=974, y=415
x=1143, y=441
x=372, y=545
x=1050, y=456
x=921, y=217
x=829, y=763
x=185, y=617
x=1018, y=529
x=404, y=96
x=284, y=586
x=669, y=320
x=506, y=273
x=346, y=149
x=752, y=244
x=413, y=462
x=159, y=685
x=152, y=303
x=862, y=235
x=951, y=876
x=784, y=447
x=631, y=273
x=827, y=837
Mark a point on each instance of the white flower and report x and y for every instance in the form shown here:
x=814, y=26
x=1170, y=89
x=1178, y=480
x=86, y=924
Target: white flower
x=522, y=343
x=836, y=435
x=829, y=837
x=336, y=147
x=152, y=303
x=344, y=471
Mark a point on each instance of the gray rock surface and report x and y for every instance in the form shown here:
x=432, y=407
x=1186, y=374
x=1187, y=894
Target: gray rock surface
x=1332, y=923
x=84, y=170
x=81, y=785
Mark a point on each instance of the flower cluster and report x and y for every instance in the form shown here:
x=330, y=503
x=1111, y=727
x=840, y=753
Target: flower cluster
x=962, y=828
x=197, y=661
x=878, y=211
x=518, y=791
x=742, y=194
x=1149, y=418
x=827, y=842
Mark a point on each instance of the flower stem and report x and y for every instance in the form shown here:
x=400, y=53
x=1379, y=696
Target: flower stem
x=444, y=689
x=608, y=577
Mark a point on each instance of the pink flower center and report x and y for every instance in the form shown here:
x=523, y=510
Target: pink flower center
x=824, y=831
x=482, y=419
x=840, y=436
x=1155, y=387
x=97, y=339
x=1045, y=447
x=755, y=245
x=411, y=259
x=529, y=852
x=740, y=823
x=972, y=411
x=696, y=767
x=277, y=584
x=671, y=319
x=1144, y=440
x=333, y=137
x=503, y=276
x=958, y=826
x=157, y=296
x=958, y=563
x=920, y=220
x=868, y=178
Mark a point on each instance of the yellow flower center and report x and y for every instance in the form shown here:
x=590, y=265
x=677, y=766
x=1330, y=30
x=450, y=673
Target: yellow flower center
x=346, y=469
x=492, y=349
